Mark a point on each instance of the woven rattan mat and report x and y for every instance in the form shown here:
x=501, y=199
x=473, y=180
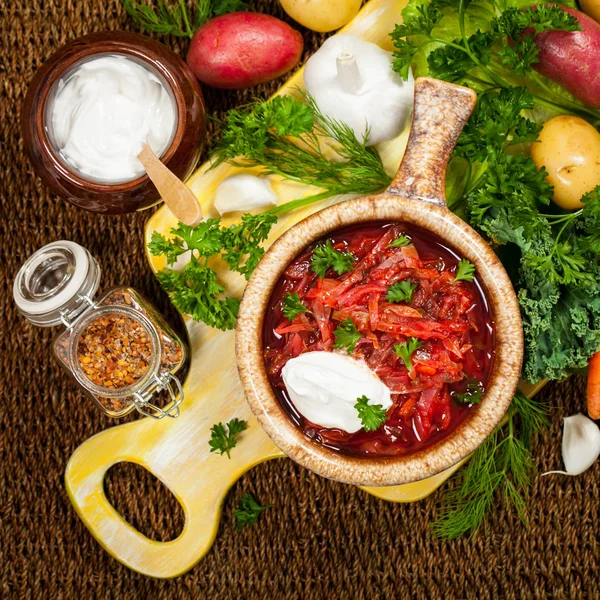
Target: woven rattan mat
x=321, y=539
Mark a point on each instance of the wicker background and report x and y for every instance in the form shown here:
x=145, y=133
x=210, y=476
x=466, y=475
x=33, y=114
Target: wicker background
x=321, y=539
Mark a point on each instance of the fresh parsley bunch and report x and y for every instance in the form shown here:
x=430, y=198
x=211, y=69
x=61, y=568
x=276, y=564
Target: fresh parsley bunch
x=485, y=44
x=248, y=511
x=195, y=289
x=552, y=258
x=551, y=255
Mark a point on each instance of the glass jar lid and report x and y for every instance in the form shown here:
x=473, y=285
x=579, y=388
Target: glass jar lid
x=56, y=284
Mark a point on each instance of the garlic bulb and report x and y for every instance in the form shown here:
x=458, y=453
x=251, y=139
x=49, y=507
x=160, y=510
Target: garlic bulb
x=580, y=445
x=352, y=81
x=243, y=192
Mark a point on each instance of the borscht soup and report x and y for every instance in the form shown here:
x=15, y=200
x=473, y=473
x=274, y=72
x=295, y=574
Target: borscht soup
x=378, y=340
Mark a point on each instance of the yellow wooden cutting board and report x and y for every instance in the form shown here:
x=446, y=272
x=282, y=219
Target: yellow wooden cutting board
x=176, y=450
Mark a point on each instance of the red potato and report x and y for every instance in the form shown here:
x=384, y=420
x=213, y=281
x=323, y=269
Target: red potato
x=243, y=49
x=572, y=58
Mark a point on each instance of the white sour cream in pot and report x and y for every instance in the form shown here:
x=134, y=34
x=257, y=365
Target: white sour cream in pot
x=105, y=111
x=324, y=387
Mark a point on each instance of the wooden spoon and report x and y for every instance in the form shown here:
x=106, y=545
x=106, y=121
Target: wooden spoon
x=175, y=194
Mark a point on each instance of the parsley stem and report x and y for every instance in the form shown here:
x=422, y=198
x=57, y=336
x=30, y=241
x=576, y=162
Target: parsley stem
x=451, y=44
x=461, y=23
x=560, y=218
x=486, y=85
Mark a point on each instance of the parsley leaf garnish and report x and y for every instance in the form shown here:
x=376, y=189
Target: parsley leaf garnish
x=405, y=350
x=223, y=441
x=292, y=306
x=400, y=242
x=465, y=271
x=346, y=336
x=372, y=416
x=472, y=395
x=248, y=510
x=401, y=291
x=326, y=257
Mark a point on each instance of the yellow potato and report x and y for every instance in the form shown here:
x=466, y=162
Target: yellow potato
x=569, y=148
x=591, y=8
x=322, y=15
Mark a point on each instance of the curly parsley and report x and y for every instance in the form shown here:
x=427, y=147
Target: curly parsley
x=346, y=336
x=195, y=289
x=465, y=271
x=224, y=440
x=248, y=510
x=406, y=349
x=372, y=416
x=401, y=291
x=292, y=306
x=484, y=44
x=325, y=257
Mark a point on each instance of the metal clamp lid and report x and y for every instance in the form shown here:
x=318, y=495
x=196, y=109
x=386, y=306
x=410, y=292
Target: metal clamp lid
x=157, y=384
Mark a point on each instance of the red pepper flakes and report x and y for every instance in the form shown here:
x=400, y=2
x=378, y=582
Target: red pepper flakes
x=114, y=351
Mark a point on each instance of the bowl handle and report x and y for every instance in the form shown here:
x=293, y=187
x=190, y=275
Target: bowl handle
x=440, y=112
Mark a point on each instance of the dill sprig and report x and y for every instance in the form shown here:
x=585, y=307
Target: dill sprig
x=175, y=19
x=286, y=136
x=503, y=462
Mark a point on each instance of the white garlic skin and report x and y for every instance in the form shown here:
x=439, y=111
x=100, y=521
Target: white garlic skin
x=243, y=192
x=580, y=444
x=381, y=103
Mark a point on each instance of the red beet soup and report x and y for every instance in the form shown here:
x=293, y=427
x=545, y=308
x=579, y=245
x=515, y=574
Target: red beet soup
x=421, y=323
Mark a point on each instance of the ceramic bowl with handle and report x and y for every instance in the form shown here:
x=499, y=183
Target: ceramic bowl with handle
x=417, y=197
x=181, y=156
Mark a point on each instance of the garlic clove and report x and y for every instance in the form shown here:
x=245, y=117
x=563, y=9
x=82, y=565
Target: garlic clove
x=580, y=444
x=182, y=261
x=243, y=192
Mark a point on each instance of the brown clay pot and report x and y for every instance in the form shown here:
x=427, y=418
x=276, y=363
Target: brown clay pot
x=416, y=196
x=181, y=156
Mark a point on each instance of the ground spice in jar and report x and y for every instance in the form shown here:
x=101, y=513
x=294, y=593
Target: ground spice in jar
x=114, y=351
x=171, y=351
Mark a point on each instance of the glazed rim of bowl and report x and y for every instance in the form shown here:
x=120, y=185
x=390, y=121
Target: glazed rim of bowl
x=381, y=471
x=137, y=49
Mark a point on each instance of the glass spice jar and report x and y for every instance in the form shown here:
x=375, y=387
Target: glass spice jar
x=119, y=349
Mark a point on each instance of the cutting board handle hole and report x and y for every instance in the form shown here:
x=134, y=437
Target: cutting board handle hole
x=144, y=501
